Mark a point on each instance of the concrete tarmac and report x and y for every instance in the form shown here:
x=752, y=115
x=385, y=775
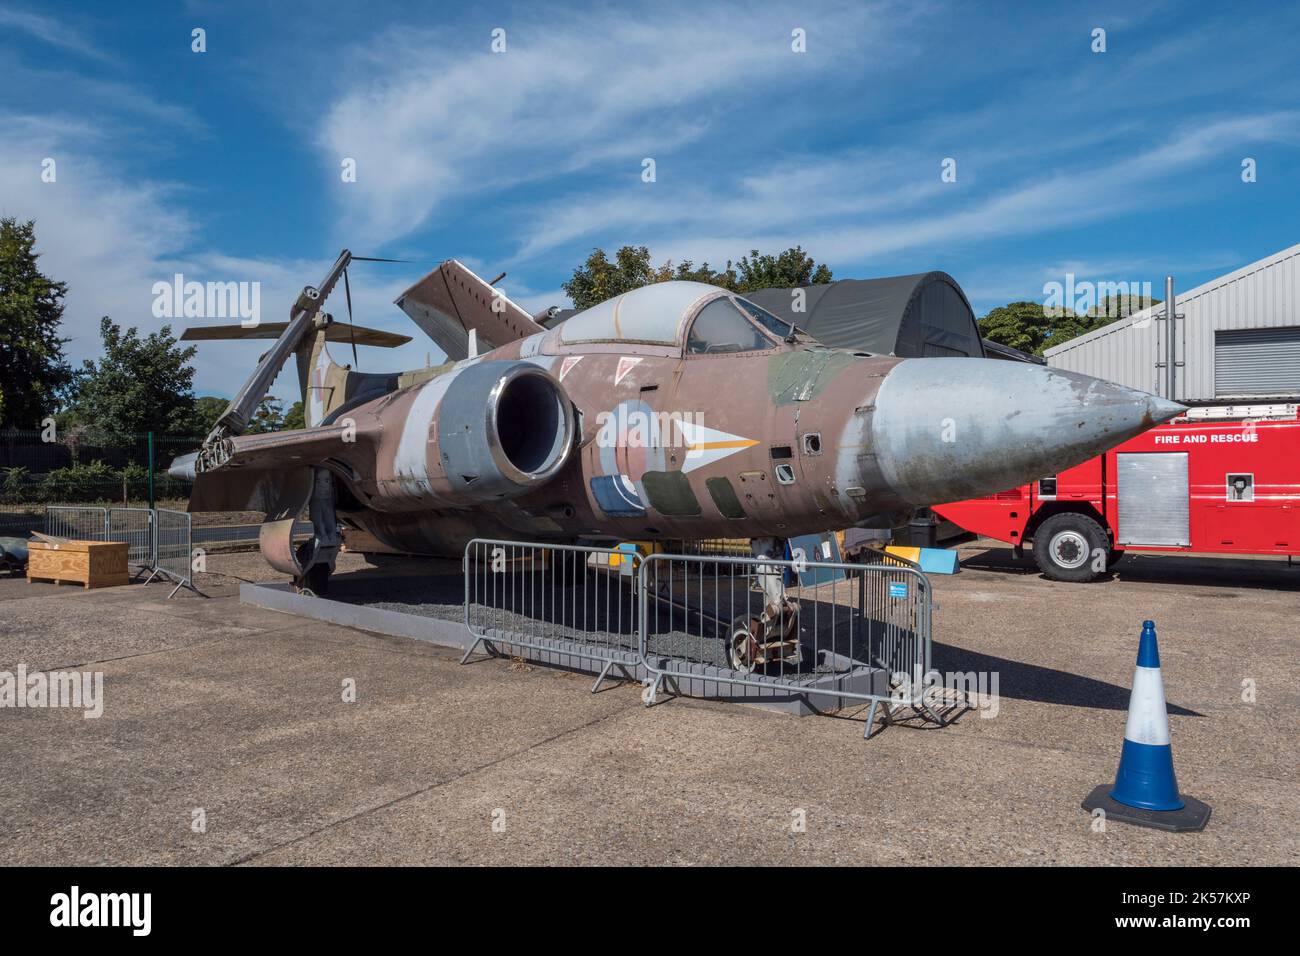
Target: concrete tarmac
x=235, y=718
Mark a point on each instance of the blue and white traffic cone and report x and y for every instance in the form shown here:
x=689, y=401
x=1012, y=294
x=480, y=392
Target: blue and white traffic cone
x=1145, y=791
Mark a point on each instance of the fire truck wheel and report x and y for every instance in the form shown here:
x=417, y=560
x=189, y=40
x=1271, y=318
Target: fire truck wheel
x=1064, y=546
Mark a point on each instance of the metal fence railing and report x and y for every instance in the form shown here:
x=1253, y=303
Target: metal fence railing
x=159, y=540
x=135, y=526
x=174, y=548
x=82, y=523
x=560, y=601
x=813, y=630
x=808, y=626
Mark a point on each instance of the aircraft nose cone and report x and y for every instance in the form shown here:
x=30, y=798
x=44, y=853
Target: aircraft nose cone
x=945, y=429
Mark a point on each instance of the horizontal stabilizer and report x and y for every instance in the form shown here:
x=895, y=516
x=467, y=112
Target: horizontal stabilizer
x=334, y=332
x=451, y=300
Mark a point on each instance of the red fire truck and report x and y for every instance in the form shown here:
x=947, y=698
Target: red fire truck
x=1223, y=480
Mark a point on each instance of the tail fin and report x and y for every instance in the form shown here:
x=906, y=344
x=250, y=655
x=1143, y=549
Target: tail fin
x=451, y=301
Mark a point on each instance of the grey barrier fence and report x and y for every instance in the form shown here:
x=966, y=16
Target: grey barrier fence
x=560, y=601
x=173, y=549
x=159, y=541
x=791, y=624
x=848, y=632
x=135, y=526
x=83, y=524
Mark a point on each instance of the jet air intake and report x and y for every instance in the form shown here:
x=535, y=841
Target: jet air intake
x=504, y=428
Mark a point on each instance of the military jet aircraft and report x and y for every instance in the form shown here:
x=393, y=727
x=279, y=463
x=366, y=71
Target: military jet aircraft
x=675, y=411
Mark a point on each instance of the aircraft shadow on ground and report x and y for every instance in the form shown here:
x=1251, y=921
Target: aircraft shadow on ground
x=415, y=583
x=1047, y=685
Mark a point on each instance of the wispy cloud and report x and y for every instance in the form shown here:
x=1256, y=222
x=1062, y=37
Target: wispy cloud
x=54, y=32
x=822, y=204
x=112, y=236
x=566, y=93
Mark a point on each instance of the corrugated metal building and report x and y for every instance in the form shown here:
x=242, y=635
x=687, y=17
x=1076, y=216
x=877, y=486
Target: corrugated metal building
x=1240, y=339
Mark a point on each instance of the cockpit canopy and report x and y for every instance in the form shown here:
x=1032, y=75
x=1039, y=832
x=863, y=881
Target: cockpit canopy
x=694, y=316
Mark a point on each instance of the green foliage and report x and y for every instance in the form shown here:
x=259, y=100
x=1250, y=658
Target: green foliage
x=294, y=417
x=140, y=385
x=80, y=483
x=599, y=279
x=134, y=480
x=33, y=371
x=1032, y=327
x=1028, y=327
x=791, y=268
x=15, y=485
x=89, y=483
x=1121, y=306
x=269, y=416
x=207, y=409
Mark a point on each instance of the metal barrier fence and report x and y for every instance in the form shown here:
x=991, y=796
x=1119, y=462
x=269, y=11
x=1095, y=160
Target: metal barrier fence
x=135, y=526
x=562, y=601
x=160, y=541
x=173, y=549
x=84, y=524
x=847, y=632
x=812, y=626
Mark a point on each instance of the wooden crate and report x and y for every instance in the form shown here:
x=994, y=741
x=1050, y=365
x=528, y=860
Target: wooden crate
x=92, y=564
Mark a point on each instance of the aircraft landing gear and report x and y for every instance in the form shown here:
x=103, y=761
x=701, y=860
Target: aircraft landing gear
x=755, y=641
x=315, y=581
x=772, y=635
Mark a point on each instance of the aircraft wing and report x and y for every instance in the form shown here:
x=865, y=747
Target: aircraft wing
x=451, y=300
x=257, y=467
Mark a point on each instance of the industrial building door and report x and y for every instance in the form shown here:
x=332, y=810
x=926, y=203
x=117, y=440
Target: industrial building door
x=1153, y=503
x=1262, y=362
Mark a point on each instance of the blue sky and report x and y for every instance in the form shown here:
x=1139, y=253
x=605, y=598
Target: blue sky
x=225, y=165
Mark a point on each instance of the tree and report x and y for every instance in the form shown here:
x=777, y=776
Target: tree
x=207, y=409
x=1121, y=306
x=599, y=279
x=270, y=416
x=139, y=385
x=294, y=417
x=1028, y=327
x=33, y=372
x=790, y=269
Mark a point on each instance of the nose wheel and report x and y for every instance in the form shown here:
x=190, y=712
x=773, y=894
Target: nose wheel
x=742, y=644
x=753, y=642
x=315, y=582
